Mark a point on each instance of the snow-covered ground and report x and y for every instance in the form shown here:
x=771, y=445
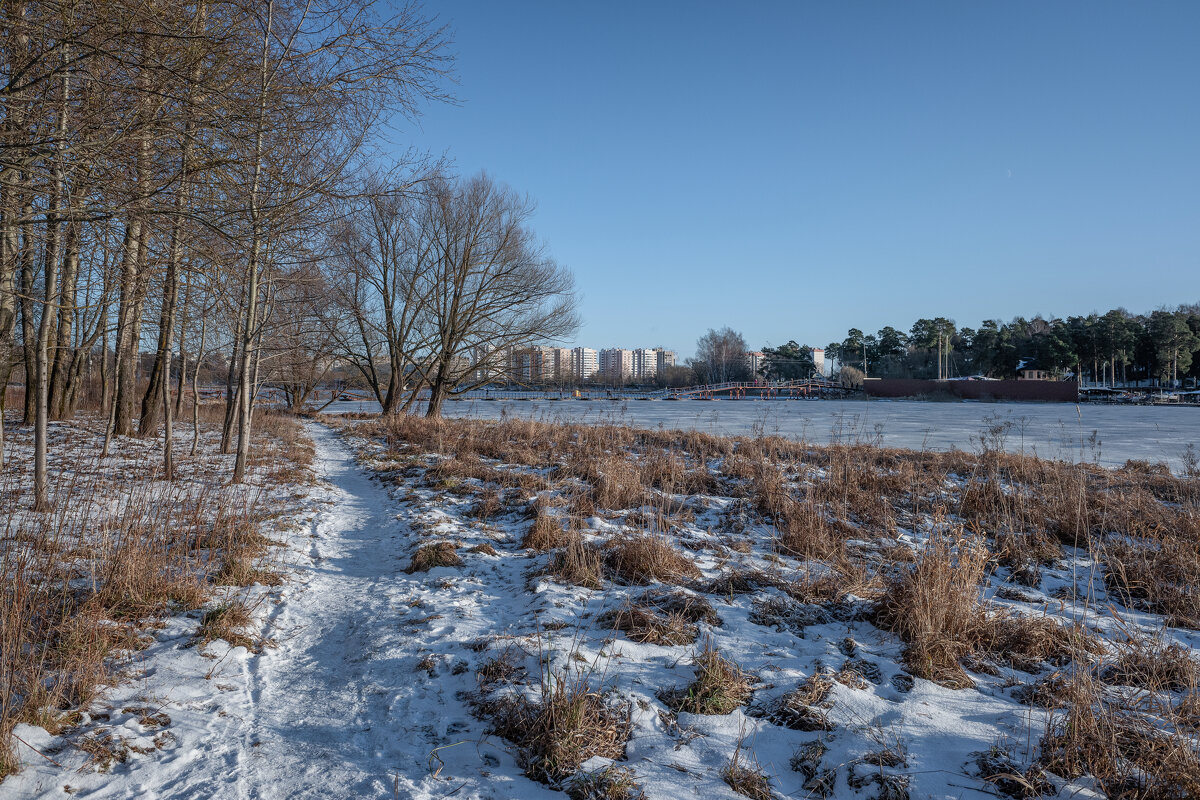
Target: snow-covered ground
x=368, y=688
x=1103, y=434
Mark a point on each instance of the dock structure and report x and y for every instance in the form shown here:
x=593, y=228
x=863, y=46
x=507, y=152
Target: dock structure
x=781, y=390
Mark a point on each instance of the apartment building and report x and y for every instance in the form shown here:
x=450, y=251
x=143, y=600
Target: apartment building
x=539, y=364
x=755, y=360
x=645, y=364
x=664, y=358
x=585, y=363
x=616, y=363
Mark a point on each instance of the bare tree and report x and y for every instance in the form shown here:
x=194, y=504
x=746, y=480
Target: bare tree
x=380, y=266
x=721, y=357
x=491, y=287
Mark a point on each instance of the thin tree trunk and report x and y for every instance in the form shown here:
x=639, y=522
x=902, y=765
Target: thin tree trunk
x=196, y=388
x=41, y=482
x=232, y=398
x=245, y=416
x=28, y=335
x=64, y=353
x=183, y=362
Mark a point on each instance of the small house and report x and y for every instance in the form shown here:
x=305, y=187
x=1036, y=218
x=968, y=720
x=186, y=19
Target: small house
x=1027, y=370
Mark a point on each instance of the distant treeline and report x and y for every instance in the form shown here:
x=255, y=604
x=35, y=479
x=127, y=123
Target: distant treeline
x=1117, y=346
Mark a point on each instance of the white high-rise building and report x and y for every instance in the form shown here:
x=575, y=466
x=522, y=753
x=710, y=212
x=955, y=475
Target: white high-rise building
x=585, y=363
x=818, y=354
x=645, y=364
x=756, y=360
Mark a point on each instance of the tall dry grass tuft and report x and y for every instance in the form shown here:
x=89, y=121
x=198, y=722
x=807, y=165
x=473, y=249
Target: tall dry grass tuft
x=646, y=558
x=935, y=607
x=719, y=685
x=567, y=724
x=578, y=562
x=1128, y=754
x=546, y=533
x=431, y=556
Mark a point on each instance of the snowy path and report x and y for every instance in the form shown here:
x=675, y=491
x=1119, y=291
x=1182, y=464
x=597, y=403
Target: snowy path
x=325, y=716
x=337, y=710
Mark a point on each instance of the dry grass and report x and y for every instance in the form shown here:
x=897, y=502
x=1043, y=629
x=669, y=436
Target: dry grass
x=826, y=519
x=648, y=558
x=644, y=625
x=546, y=533
x=568, y=724
x=228, y=621
x=505, y=667
x=578, y=563
x=935, y=607
x=431, y=556
x=719, y=685
x=1128, y=754
x=818, y=781
x=1155, y=665
x=746, y=777
x=691, y=607
x=803, y=708
x=83, y=582
x=610, y=783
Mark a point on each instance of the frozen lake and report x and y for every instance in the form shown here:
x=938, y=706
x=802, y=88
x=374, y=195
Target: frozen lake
x=1100, y=433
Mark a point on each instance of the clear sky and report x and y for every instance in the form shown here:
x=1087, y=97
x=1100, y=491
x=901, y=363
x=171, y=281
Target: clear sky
x=793, y=169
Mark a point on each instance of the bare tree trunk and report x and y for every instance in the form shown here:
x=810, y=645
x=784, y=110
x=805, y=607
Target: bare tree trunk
x=196, y=388
x=105, y=377
x=232, y=398
x=437, y=392
x=3, y=401
x=128, y=329
x=64, y=354
x=160, y=371
x=245, y=416
x=41, y=482
x=166, y=336
x=28, y=336
x=183, y=362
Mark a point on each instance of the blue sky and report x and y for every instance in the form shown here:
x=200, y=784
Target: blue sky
x=794, y=169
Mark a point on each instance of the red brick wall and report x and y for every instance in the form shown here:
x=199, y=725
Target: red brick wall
x=1052, y=391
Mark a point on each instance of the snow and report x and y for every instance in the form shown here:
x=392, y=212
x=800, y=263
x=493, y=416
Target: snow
x=365, y=692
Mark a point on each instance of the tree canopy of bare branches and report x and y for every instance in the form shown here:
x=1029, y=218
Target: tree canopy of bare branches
x=439, y=282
